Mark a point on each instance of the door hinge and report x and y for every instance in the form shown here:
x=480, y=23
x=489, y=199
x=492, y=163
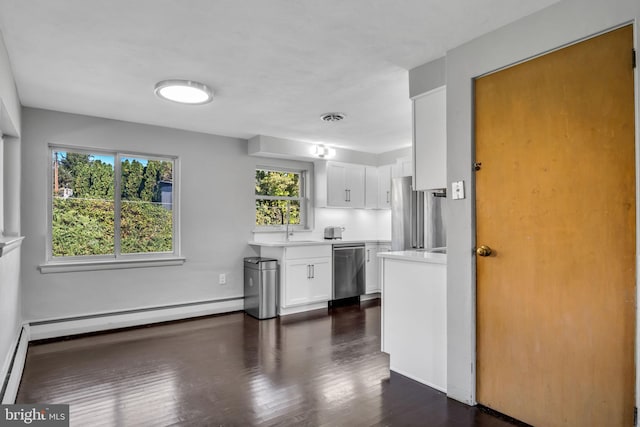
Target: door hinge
x=477, y=166
x=633, y=58
x=635, y=416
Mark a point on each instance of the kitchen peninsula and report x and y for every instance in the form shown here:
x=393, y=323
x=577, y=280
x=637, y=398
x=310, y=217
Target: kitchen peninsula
x=414, y=315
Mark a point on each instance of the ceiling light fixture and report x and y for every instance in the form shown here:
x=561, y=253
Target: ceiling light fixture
x=323, y=151
x=184, y=92
x=332, y=117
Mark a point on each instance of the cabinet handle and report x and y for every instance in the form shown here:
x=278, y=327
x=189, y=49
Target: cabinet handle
x=346, y=195
x=349, y=193
x=368, y=258
x=388, y=201
x=313, y=271
x=308, y=271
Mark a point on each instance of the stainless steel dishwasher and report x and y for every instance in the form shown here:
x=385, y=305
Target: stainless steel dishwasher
x=348, y=270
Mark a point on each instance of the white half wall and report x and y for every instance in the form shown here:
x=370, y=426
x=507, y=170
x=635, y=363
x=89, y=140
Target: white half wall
x=10, y=290
x=10, y=309
x=216, y=211
x=563, y=23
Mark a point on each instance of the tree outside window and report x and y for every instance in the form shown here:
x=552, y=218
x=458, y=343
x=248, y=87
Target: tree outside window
x=88, y=216
x=279, y=197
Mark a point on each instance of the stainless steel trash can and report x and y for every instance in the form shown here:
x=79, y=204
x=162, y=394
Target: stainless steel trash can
x=261, y=287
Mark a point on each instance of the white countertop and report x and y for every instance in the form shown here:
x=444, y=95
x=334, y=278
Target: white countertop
x=313, y=242
x=415, y=255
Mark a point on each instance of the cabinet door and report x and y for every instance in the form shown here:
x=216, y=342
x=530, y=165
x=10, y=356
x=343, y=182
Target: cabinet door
x=307, y=281
x=297, y=276
x=320, y=282
x=371, y=187
x=384, y=187
x=355, y=186
x=371, y=268
x=337, y=193
x=430, y=140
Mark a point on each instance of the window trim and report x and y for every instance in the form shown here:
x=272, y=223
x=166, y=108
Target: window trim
x=304, y=199
x=117, y=259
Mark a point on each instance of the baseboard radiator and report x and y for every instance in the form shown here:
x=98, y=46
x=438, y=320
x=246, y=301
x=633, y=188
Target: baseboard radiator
x=12, y=374
x=57, y=328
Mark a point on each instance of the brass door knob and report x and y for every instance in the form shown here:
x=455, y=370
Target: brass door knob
x=483, y=250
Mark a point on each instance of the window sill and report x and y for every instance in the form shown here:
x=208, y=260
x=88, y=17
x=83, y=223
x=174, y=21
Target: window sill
x=9, y=243
x=281, y=230
x=67, y=267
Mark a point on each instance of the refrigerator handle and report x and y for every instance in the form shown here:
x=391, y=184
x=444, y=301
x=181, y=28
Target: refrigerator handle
x=417, y=219
x=420, y=219
x=414, y=219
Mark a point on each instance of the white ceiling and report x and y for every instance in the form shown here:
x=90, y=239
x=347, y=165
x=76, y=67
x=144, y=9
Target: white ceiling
x=275, y=65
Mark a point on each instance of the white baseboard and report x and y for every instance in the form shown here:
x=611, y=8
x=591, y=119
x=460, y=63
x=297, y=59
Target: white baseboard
x=302, y=308
x=103, y=322
x=420, y=380
x=367, y=297
x=12, y=372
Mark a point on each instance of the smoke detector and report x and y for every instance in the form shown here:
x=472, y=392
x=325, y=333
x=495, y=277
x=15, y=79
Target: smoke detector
x=332, y=117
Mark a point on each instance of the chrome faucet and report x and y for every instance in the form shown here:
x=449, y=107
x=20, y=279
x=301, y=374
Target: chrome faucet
x=288, y=233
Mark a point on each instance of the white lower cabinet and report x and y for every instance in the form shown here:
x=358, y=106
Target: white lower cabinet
x=307, y=280
x=371, y=268
x=306, y=274
x=372, y=265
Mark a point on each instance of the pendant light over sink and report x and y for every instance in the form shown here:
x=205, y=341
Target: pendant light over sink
x=184, y=92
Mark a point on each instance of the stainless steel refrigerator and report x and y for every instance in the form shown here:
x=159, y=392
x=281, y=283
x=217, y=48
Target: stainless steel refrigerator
x=417, y=217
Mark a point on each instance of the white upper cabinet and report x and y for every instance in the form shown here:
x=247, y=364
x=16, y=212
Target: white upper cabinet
x=384, y=187
x=349, y=185
x=371, y=187
x=341, y=185
x=430, y=140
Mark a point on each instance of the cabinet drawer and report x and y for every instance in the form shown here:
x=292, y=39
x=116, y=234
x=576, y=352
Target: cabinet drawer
x=313, y=251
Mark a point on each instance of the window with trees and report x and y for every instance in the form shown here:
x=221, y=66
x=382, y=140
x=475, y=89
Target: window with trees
x=280, y=198
x=110, y=204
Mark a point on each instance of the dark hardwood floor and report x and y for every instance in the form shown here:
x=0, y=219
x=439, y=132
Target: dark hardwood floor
x=313, y=369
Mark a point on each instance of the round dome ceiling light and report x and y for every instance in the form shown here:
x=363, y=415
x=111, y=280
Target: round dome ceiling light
x=184, y=92
x=332, y=117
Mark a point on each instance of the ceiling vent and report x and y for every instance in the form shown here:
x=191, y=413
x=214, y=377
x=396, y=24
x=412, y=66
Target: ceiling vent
x=332, y=117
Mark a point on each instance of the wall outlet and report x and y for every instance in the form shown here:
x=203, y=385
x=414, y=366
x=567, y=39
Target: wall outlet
x=222, y=279
x=457, y=190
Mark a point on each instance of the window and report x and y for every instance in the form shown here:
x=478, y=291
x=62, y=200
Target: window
x=280, y=198
x=111, y=205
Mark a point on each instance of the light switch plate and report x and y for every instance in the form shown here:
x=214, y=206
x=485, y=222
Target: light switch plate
x=457, y=190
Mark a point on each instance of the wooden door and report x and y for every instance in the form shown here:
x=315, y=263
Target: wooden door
x=555, y=201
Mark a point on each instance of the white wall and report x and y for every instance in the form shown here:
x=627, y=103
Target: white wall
x=10, y=292
x=359, y=224
x=217, y=215
x=560, y=24
x=10, y=120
